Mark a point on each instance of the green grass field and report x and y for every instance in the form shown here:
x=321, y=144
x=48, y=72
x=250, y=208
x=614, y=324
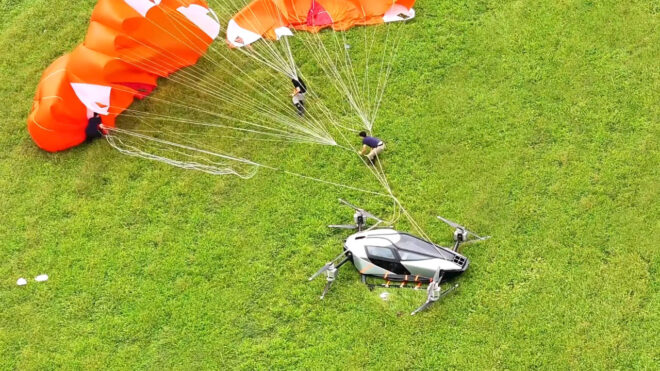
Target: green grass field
x=536, y=122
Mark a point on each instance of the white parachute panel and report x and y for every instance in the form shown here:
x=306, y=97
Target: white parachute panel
x=238, y=36
x=199, y=15
x=142, y=6
x=398, y=13
x=95, y=97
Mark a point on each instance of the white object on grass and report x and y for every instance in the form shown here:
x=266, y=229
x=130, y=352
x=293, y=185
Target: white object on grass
x=385, y=295
x=41, y=278
x=21, y=281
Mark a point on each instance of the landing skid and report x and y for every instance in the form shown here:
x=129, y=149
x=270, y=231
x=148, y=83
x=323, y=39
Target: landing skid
x=398, y=282
x=434, y=291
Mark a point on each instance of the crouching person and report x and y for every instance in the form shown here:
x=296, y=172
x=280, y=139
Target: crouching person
x=374, y=146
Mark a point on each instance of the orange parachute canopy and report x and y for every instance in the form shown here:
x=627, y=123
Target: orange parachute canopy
x=273, y=19
x=129, y=44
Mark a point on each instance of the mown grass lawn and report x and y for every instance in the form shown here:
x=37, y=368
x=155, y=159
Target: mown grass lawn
x=536, y=122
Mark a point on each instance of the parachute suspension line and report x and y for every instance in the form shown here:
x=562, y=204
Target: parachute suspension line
x=398, y=208
x=283, y=119
x=348, y=61
x=320, y=127
x=322, y=107
x=315, y=122
x=380, y=176
x=366, y=82
x=279, y=117
x=340, y=67
x=183, y=137
x=295, y=139
x=357, y=102
x=312, y=121
x=219, y=115
x=325, y=60
x=240, y=139
x=379, y=173
x=318, y=139
x=187, y=78
x=290, y=71
x=141, y=115
x=257, y=57
x=292, y=61
x=283, y=64
x=212, y=168
x=368, y=114
x=271, y=168
x=288, y=50
x=255, y=85
x=381, y=91
x=155, y=130
x=293, y=68
x=368, y=111
x=118, y=144
x=355, y=97
x=348, y=83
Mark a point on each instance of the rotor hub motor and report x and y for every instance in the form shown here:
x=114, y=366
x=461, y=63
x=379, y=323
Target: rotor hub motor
x=460, y=235
x=359, y=219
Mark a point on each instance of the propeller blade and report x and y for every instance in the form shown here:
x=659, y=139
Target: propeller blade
x=456, y=225
x=477, y=240
x=372, y=216
x=366, y=213
x=341, y=200
x=320, y=271
x=327, y=265
x=421, y=308
x=448, y=291
x=450, y=223
x=343, y=226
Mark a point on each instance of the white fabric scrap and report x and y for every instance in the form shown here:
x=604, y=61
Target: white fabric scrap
x=41, y=278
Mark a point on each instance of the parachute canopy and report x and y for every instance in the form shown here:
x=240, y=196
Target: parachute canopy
x=273, y=19
x=129, y=44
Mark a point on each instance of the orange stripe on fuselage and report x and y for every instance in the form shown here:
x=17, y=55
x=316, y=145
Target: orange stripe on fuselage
x=366, y=268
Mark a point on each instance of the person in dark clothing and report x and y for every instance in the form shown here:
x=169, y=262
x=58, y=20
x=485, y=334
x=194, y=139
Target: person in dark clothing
x=298, y=95
x=93, y=130
x=373, y=145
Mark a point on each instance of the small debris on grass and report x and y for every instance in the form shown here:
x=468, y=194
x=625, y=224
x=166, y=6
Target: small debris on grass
x=41, y=278
x=385, y=295
x=21, y=281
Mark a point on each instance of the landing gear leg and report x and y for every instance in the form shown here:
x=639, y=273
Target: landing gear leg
x=330, y=270
x=434, y=291
x=330, y=276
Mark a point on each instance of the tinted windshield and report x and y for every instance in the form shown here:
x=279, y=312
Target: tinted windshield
x=381, y=252
x=417, y=245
